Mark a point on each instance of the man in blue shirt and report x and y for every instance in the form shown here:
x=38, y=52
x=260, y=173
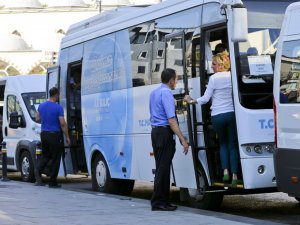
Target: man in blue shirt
x=53, y=122
x=164, y=127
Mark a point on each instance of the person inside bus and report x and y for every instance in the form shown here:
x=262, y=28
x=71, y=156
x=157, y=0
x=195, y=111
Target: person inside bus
x=75, y=99
x=220, y=48
x=219, y=89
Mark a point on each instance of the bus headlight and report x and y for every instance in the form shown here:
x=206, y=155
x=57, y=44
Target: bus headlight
x=248, y=149
x=269, y=148
x=258, y=149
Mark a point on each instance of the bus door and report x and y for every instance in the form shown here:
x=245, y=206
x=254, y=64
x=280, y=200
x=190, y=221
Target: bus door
x=213, y=37
x=52, y=78
x=183, y=169
x=74, y=119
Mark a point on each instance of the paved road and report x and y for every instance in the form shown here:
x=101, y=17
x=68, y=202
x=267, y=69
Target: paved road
x=26, y=204
x=272, y=207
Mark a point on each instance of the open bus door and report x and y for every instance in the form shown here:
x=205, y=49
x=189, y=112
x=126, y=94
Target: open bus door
x=183, y=168
x=190, y=172
x=76, y=155
x=53, y=81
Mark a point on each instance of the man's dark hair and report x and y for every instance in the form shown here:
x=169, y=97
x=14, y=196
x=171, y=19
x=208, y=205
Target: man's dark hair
x=53, y=91
x=220, y=48
x=167, y=75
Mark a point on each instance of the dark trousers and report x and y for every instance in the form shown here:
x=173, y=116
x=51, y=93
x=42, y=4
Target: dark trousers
x=52, y=147
x=163, y=145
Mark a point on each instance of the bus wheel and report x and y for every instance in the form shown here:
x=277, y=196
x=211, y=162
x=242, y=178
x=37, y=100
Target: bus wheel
x=201, y=199
x=126, y=187
x=101, y=180
x=26, y=167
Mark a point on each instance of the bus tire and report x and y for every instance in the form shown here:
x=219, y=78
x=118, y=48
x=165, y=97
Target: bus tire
x=27, y=167
x=101, y=179
x=198, y=198
x=126, y=187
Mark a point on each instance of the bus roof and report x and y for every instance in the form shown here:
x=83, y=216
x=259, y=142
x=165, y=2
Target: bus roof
x=122, y=18
x=90, y=29
x=101, y=18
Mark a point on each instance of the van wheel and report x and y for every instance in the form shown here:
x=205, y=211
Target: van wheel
x=201, y=199
x=26, y=167
x=126, y=187
x=101, y=179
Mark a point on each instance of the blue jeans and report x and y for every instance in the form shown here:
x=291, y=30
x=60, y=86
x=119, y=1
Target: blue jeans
x=224, y=125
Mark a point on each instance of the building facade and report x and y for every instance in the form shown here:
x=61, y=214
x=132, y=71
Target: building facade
x=31, y=30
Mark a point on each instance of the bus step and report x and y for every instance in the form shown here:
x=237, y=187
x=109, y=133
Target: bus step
x=220, y=184
x=216, y=191
x=202, y=123
x=206, y=148
x=201, y=148
x=82, y=173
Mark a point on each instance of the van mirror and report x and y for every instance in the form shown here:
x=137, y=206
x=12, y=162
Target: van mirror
x=15, y=120
x=239, y=25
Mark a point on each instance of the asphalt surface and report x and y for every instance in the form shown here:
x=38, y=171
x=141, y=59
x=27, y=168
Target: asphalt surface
x=24, y=203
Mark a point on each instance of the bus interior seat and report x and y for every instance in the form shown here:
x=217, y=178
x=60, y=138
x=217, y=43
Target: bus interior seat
x=252, y=51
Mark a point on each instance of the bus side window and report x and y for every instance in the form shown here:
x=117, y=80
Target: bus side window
x=141, y=53
x=208, y=56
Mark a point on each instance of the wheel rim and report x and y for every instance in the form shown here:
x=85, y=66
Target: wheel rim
x=198, y=194
x=25, y=167
x=101, y=173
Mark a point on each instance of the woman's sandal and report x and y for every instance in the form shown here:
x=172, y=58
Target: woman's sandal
x=226, y=178
x=234, y=182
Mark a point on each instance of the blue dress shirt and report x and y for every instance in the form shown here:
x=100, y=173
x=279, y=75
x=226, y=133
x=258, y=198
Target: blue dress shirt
x=162, y=106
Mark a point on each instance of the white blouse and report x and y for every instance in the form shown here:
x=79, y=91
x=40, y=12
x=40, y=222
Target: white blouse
x=219, y=88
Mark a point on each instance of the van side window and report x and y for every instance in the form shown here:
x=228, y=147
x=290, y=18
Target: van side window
x=290, y=72
x=13, y=105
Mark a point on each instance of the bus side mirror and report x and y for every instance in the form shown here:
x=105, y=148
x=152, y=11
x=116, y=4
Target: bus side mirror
x=239, y=24
x=15, y=121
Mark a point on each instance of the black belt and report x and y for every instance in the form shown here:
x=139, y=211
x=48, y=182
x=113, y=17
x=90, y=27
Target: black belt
x=51, y=132
x=166, y=126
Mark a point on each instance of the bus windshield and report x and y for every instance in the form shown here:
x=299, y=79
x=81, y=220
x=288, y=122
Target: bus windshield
x=255, y=58
x=258, y=54
x=32, y=101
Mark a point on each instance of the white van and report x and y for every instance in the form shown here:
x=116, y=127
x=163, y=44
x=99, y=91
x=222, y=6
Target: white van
x=20, y=97
x=287, y=104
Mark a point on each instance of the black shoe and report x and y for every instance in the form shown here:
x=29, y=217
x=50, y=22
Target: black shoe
x=39, y=183
x=54, y=185
x=38, y=177
x=163, y=208
x=171, y=206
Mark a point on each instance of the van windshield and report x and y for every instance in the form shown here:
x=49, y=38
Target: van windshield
x=32, y=101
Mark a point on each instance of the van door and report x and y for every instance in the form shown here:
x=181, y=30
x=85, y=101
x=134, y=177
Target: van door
x=13, y=135
x=287, y=98
x=183, y=168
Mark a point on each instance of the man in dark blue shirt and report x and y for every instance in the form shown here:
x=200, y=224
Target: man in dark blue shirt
x=164, y=127
x=53, y=122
